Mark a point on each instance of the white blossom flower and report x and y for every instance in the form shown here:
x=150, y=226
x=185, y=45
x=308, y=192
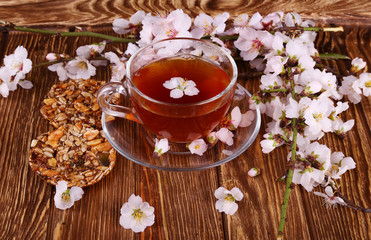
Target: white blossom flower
x=161, y=147
x=58, y=67
x=65, y=197
x=358, y=64
x=339, y=165
x=312, y=171
x=270, y=81
x=136, y=214
x=350, y=87
x=316, y=116
x=365, y=83
x=225, y=136
x=206, y=25
x=253, y=172
x=180, y=86
x=330, y=200
x=5, y=78
x=118, y=66
x=292, y=19
x=131, y=49
x=270, y=142
x=240, y=22
x=122, y=26
x=296, y=48
x=275, y=65
x=17, y=63
x=155, y=28
x=87, y=51
x=176, y=24
x=272, y=20
x=80, y=68
x=340, y=128
x=198, y=147
x=227, y=199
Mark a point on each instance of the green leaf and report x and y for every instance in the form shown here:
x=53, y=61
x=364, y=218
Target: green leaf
x=333, y=56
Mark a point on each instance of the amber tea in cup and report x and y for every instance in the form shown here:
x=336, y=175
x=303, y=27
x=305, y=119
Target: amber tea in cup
x=184, y=118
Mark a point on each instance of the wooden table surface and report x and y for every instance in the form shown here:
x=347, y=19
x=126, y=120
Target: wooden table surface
x=183, y=201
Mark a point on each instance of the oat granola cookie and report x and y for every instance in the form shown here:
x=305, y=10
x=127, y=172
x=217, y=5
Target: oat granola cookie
x=76, y=153
x=73, y=101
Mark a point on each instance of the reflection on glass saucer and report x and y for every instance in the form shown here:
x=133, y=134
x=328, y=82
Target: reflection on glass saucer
x=134, y=142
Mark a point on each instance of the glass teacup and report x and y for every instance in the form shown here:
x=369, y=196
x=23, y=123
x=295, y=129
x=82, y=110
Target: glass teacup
x=169, y=110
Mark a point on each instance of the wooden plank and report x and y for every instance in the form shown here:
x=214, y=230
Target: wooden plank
x=84, y=12
x=25, y=197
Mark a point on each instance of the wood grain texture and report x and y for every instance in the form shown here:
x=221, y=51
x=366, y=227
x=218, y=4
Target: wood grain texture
x=183, y=202
x=85, y=12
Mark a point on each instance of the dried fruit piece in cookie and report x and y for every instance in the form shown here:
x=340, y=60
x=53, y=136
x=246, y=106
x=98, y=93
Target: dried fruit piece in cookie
x=76, y=153
x=73, y=101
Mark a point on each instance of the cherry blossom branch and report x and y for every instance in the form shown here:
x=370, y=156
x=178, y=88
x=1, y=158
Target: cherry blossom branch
x=274, y=90
x=350, y=204
x=289, y=185
x=315, y=29
x=10, y=27
x=64, y=60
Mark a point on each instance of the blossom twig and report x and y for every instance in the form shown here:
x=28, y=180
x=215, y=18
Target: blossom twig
x=351, y=204
x=70, y=34
x=65, y=60
x=288, y=183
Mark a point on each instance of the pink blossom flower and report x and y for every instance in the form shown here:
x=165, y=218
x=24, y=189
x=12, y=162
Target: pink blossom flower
x=251, y=42
x=206, y=25
x=198, y=147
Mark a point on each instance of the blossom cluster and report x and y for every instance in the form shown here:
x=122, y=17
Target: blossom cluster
x=14, y=71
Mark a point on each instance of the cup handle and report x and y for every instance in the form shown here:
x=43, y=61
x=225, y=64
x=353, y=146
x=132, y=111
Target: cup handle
x=103, y=97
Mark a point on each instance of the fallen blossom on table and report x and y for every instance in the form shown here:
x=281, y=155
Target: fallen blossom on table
x=136, y=214
x=161, y=147
x=198, y=147
x=253, y=172
x=330, y=200
x=227, y=199
x=65, y=197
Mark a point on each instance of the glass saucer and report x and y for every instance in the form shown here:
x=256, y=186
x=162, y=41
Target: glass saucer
x=134, y=142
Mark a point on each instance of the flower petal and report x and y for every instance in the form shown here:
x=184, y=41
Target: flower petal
x=237, y=194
